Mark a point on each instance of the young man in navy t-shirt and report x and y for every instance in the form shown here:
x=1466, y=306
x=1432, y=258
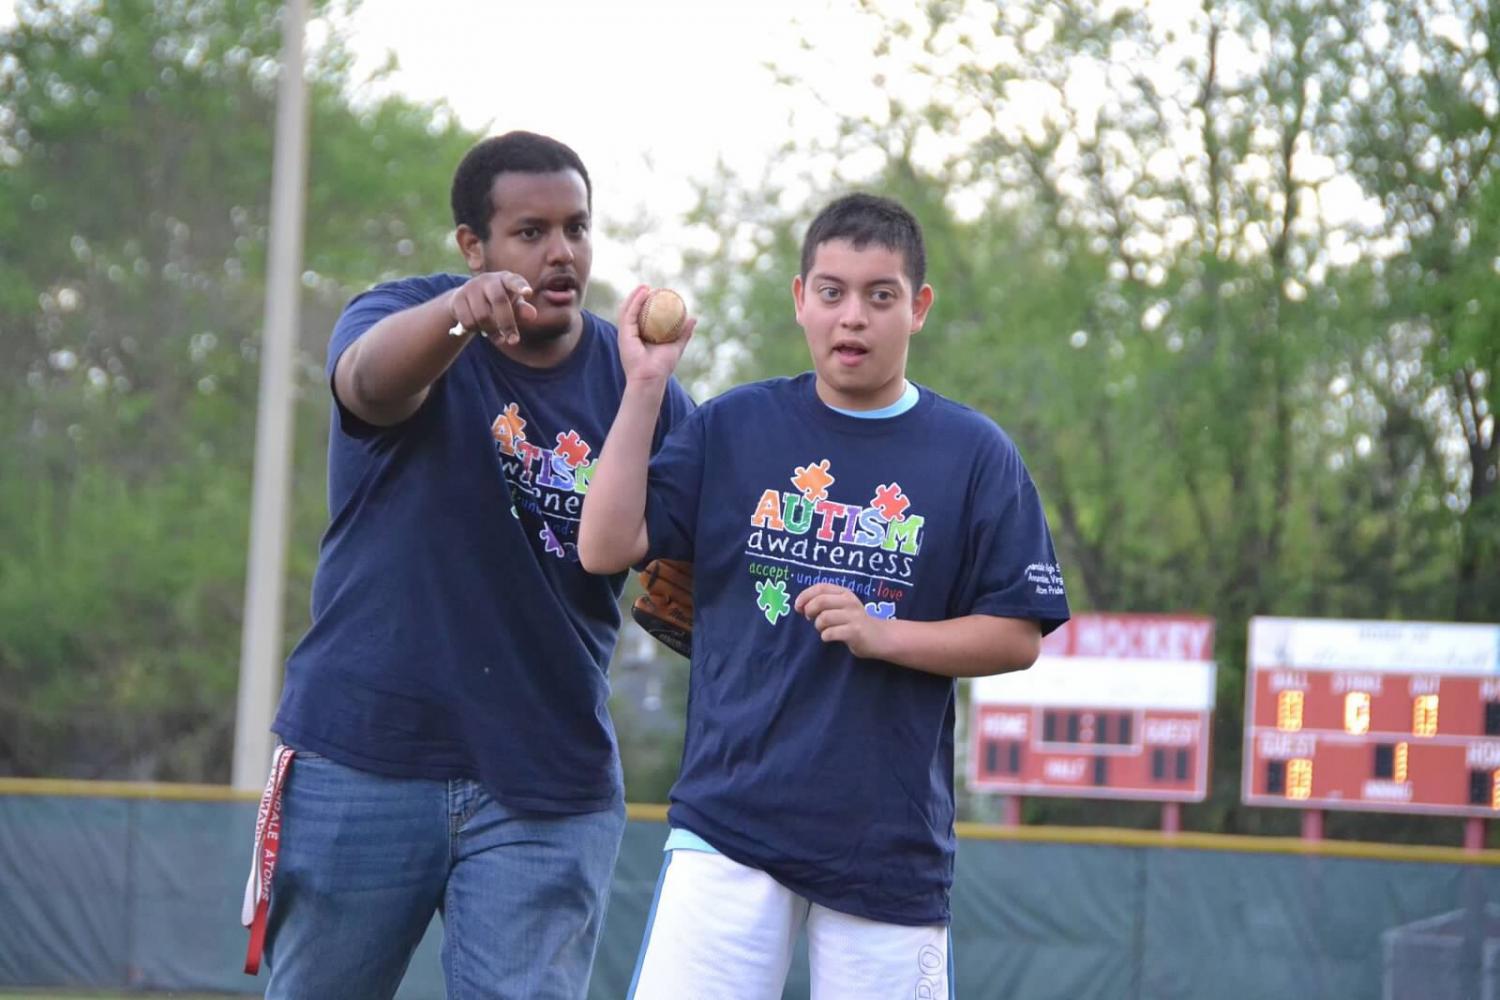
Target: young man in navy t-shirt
x=858, y=543
x=447, y=711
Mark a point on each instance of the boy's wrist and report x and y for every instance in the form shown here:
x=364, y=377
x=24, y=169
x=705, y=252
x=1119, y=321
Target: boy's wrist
x=883, y=636
x=646, y=388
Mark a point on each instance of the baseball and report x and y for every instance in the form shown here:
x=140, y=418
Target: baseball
x=662, y=316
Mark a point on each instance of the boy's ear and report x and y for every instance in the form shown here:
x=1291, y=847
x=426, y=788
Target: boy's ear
x=471, y=246
x=797, y=290
x=920, y=303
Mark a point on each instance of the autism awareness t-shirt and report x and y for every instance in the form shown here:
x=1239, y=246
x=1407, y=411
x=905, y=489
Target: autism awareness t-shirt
x=454, y=632
x=832, y=773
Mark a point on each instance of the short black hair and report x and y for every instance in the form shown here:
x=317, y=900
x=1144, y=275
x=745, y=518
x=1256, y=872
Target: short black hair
x=513, y=152
x=863, y=219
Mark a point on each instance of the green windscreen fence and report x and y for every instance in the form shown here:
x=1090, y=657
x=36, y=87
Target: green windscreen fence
x=143, y=894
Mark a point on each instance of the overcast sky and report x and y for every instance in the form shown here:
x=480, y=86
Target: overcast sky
x=651, y=92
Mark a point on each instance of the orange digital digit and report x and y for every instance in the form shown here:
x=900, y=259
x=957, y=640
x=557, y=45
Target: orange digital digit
x=1424, y=715
x=1289, y=711
x=1357, y=712
x=1299, y=778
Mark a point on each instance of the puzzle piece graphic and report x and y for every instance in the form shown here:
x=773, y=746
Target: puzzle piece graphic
x=573, y=449
x=551, y=542
x=891, y=502
x=813, y=480
x=772, y=599
x=509, y=429
x=880, y=609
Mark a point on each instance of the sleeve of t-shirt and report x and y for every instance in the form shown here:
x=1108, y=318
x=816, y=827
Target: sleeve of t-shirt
x=673, y=487
x=675, y=407
x=363, y=312
x=1013, y=571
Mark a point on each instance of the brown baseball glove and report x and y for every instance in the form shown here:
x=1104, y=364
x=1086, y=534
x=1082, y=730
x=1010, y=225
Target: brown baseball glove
x=666, y=608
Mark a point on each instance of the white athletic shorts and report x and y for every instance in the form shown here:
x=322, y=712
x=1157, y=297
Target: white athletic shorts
x=721, y=931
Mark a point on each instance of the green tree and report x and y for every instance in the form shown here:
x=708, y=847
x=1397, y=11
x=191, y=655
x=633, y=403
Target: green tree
x=1420, y=107
x=133, y=208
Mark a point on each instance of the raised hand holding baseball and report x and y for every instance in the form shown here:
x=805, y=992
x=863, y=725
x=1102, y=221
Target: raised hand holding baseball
x=654, y=330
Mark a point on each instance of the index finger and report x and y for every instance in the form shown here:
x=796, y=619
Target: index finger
x=508, y=306
x=515, y=284
x=501, y=317
x=519, y=291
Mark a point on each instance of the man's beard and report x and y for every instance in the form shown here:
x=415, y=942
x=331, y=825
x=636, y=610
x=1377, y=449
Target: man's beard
x=540, y=336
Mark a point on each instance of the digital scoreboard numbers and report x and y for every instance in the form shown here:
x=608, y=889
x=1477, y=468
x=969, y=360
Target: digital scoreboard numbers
x=1117, y=706
x=1382, y=716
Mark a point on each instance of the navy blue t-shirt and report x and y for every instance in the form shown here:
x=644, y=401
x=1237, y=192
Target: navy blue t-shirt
x=832, y=773
x=454, y=632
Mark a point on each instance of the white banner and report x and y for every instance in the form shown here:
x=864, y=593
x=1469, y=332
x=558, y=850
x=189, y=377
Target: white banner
x=1408, y=647
x=1098, y=682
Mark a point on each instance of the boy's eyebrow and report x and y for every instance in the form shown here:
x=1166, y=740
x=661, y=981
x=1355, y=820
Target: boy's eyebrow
x=825, y=276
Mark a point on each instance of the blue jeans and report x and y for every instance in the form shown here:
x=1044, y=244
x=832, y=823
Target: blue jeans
x=366, y=859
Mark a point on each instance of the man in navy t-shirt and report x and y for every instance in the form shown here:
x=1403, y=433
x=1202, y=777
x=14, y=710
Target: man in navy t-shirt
x=447, y=710
x=858, y=543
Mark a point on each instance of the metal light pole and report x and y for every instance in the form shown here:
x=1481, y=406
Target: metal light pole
x=260, y=644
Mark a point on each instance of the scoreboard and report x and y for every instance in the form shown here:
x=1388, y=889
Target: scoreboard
x=1381, y=716
x=1117, y=706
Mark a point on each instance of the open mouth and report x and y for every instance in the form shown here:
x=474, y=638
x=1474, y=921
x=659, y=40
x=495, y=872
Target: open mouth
x=849, y=352
x=560, y=290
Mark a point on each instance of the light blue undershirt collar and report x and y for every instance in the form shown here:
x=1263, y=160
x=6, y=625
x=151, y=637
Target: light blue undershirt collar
x=908, y=399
